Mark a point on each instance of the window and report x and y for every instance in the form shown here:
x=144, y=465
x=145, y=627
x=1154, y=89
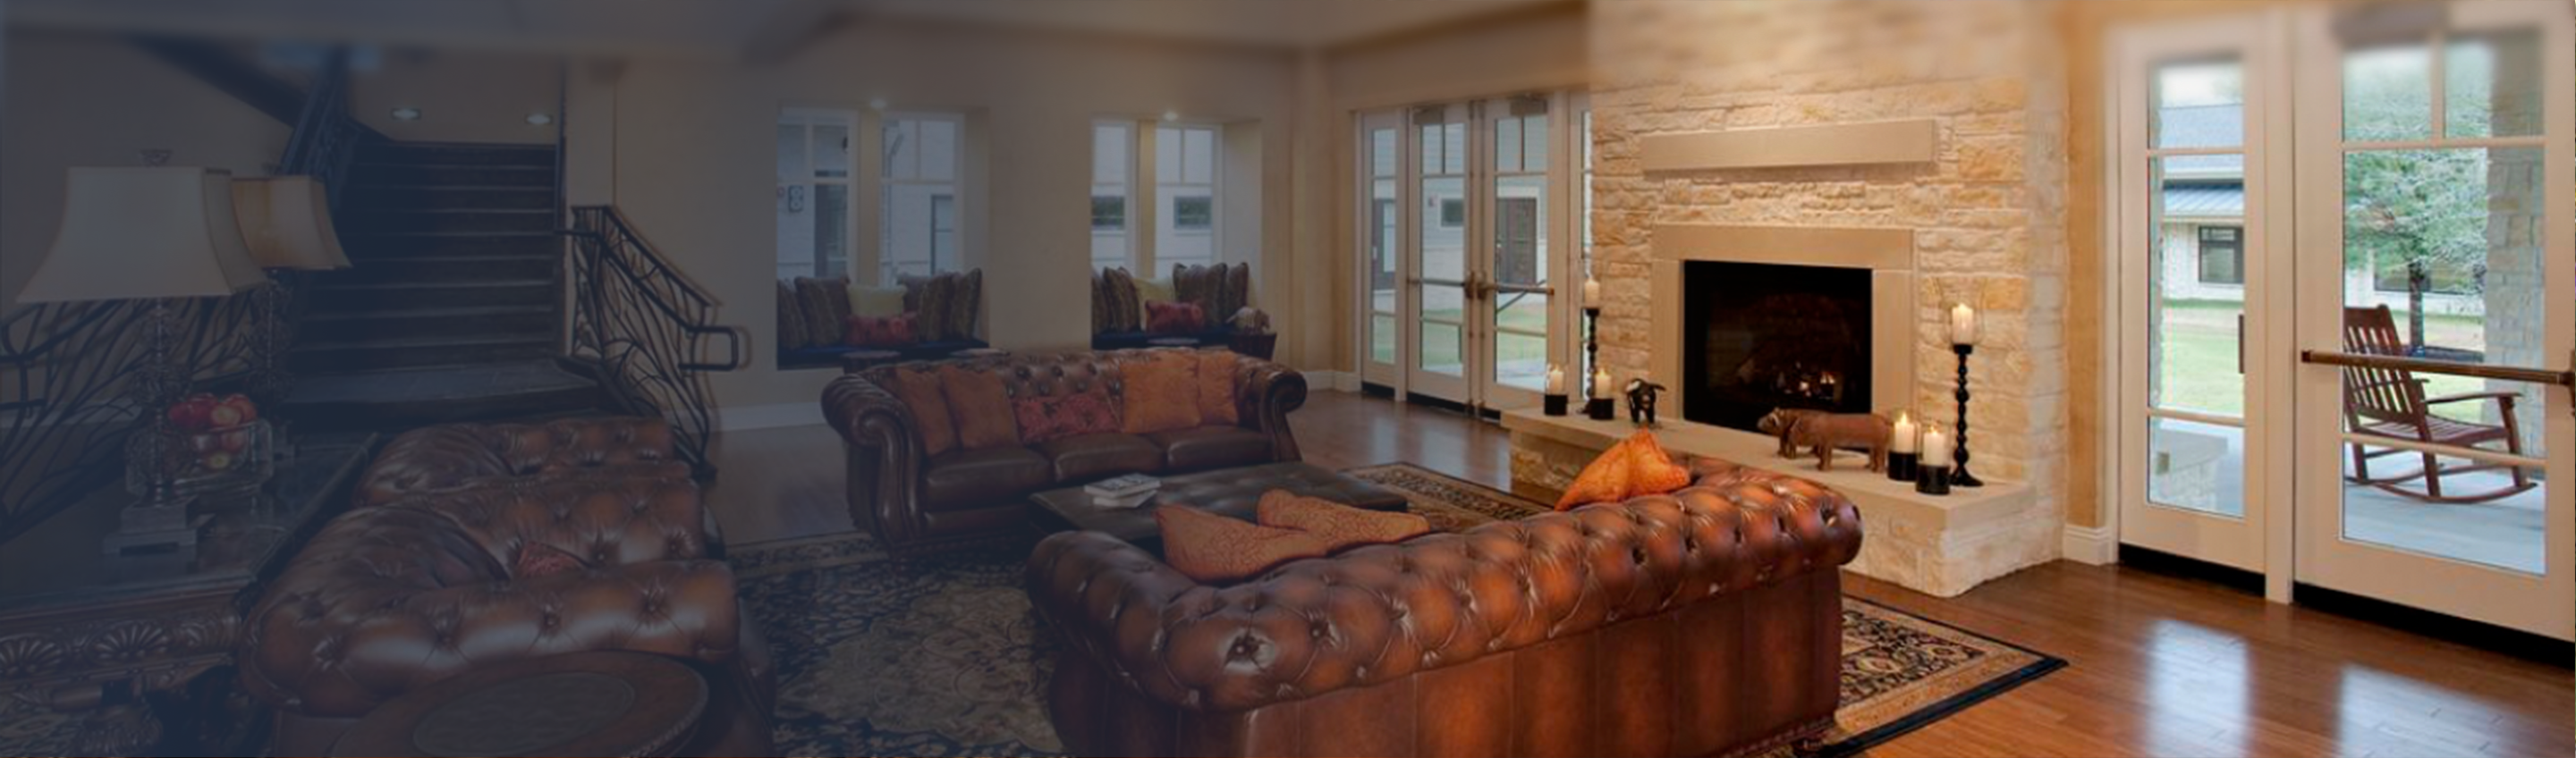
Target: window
x=2222, y=255
x=924, y=157
x=1113, y=162
x=1453, y=213
x=814, y=192
x=1185, y=178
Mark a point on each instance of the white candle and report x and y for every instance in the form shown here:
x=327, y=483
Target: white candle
x=1963, y=325
x=1591, y=292
x=1601, y=384
x=1903, y=440
x=1936, y=448
x=1555, y=379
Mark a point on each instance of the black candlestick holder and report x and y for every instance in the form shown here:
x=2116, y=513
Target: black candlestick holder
x=1933, y=480
x=1959, y=475
x=1599, y=409
x=1903, y=466
x=1553, y=405
x=1595, y=406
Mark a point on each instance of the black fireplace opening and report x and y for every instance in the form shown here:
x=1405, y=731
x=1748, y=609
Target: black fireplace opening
x=1761, y=336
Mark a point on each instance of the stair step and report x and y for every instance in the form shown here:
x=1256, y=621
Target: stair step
x=461, y=268
x=423, y=220
x=370, y=297
x=410, y=175
x=459, y=153
x=365, y=247
x=393, y=197
x=424, y=323
x=376, y=354
x=407, y=398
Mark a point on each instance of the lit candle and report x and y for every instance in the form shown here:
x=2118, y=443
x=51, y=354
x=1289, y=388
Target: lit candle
x=1963, y=325
x=1903, y=440
x=1936, y=448
x=1555, y=379
x=1601, y=384
x=1591, y=293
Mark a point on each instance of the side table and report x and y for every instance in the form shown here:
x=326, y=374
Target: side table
x=589, y=703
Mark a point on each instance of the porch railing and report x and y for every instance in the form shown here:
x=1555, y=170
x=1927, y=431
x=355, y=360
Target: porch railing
x=645, y=330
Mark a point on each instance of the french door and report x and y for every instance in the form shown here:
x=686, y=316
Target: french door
x=2347, y=302
x=1465, y=217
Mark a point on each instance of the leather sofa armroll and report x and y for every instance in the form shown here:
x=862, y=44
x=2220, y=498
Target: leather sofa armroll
x=884, y=453
x=1265, y=393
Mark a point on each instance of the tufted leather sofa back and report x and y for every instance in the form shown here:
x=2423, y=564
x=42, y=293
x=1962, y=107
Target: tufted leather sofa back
x=452, y=456
x=1708, y=621
x=387, y=599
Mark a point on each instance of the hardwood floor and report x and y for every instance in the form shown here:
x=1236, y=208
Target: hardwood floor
x=2161, y=665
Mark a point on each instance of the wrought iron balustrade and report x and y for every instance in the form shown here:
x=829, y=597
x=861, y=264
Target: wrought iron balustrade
x=644, y=329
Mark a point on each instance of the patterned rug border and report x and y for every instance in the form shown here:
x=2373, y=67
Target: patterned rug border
x=787, y=556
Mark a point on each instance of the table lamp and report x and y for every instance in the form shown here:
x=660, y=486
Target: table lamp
x=286, y=223
x=156, y=234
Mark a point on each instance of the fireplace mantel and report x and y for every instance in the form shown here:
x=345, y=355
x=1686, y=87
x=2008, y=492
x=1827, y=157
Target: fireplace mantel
x=1887, y=253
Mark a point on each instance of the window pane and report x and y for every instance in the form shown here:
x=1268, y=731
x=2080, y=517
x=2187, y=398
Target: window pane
x=938, y=150
x=2388, y=94
x=1110, y=146
x=791, y=153
x=1193, y=212
x=1453, y=159
x=1507, y=145
x=1198, y=156
x=1429, y=147
x=1382, y=152
x=1442, y=349
x=2193, y=329
x=1534, y=143
x=1382, y=337
x=1167, y=155
x=902, y=150
x=2491, y=86
x=1444, y=243
x=1108, y=213
x=1173, y=241
x=832, y=151
x=2199, y=104
x=2196, y=466
x=1520, y=230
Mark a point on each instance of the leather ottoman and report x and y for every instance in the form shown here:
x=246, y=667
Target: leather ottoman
x=1231, y=492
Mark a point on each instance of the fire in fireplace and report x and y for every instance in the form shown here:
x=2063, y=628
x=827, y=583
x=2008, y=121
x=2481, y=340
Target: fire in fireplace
x=1760, y=336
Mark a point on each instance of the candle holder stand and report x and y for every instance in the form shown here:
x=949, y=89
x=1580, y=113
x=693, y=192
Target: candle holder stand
x=1959, y=475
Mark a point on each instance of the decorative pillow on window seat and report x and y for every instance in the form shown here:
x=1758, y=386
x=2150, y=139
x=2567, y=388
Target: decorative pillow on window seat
x=1338, y=525
x=1174, y=318
x=1214, y=549
x=880, y=331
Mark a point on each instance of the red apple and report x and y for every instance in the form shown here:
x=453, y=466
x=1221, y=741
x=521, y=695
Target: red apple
x=249, y=410
x=188, y=415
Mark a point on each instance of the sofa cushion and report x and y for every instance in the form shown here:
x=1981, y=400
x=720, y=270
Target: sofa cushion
x=969, y=478
x=1087, y=457
x=982, y=409
x=1207, y=447
x=1210, y=548
x=1338, y=525
x=1161, y=394
x=1216, y=386
x=921, y=394
x=1051, y=417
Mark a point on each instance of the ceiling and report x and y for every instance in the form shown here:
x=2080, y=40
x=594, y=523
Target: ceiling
x=726, y=27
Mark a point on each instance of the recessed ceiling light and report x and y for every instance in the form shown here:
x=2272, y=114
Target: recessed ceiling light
x=1171, y=115
x=539, y=119
x=877, y=104
x=406, y=114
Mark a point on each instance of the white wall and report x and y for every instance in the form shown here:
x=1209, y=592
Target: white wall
x=692, y=159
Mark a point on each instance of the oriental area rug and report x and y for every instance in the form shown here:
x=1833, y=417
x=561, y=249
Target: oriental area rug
x=940, y=655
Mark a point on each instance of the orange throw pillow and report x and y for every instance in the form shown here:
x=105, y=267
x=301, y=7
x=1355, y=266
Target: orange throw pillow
x=1338, y=525
x=1210, y=548
x=1216, y=387
x=984, y=413
x=1605, y=480
x=1162, y=395
x=919, y=391
x=1653, y=472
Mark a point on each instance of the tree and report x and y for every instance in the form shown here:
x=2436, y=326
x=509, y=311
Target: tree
x=2422, y=209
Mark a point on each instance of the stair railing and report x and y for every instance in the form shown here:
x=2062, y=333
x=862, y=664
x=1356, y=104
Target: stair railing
x=65, y=412
x=642, y=327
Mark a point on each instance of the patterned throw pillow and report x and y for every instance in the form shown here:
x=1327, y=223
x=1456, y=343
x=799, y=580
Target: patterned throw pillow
x=1216, y=386
x=872, y=331
x=791, y=317
x=1199, y=285
x=1653, y=472
x=1237, y=291
x=1162, y=394
x=981, y=407
x=1049, y=418
x=965, y=304
x=920, y=392
x=1338, y=525
x=1099, y=303
x=815, y=297
x=536, y=559
x=1605, y=480
x=1151, y=291
x=933, y=308
x=1174, y=318
x=1210, y=548
x=875, y=301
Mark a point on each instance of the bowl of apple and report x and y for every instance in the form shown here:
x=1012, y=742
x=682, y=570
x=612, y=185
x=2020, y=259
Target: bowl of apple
x=212, y=446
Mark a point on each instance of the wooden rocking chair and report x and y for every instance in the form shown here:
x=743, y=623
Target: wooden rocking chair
x=2383, y=402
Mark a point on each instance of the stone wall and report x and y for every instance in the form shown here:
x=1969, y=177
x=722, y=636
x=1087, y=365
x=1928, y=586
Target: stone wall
x=1988, y=214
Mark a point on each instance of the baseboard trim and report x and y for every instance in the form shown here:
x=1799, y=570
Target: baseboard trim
x=748, y=417
x=2090, y=545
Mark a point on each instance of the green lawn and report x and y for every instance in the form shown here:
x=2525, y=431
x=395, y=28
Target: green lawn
x=1441, y=348
x=2198, y=364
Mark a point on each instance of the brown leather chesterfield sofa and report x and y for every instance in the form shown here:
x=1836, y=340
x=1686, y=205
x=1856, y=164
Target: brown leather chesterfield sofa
x=1707, y=622
x=450, y=457
x=913, y=502
x=396, y=596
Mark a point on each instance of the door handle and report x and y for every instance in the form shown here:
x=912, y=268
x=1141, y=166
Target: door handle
x=2473, y=370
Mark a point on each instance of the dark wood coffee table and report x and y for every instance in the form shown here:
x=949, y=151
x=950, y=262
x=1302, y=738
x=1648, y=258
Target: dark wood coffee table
x=591, y=703
x=1232, y=492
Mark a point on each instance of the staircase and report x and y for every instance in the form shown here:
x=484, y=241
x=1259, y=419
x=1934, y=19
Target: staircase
x=452, y=308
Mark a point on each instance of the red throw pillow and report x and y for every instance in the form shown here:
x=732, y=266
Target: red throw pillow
x=879, y=331
x=538, y=559
x=1174, y=318
x=1048, y=418
x=1338, y=525
x=1210, y=548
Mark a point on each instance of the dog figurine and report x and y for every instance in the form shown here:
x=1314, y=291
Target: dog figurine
x=1822, y=434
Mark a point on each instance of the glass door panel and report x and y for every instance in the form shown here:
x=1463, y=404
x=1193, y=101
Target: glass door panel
x=1520, y=267
x=1439, y=255
x=1381, y=236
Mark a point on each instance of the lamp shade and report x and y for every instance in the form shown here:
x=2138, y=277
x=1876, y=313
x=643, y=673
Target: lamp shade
x=286, y=222
x=135, y=233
